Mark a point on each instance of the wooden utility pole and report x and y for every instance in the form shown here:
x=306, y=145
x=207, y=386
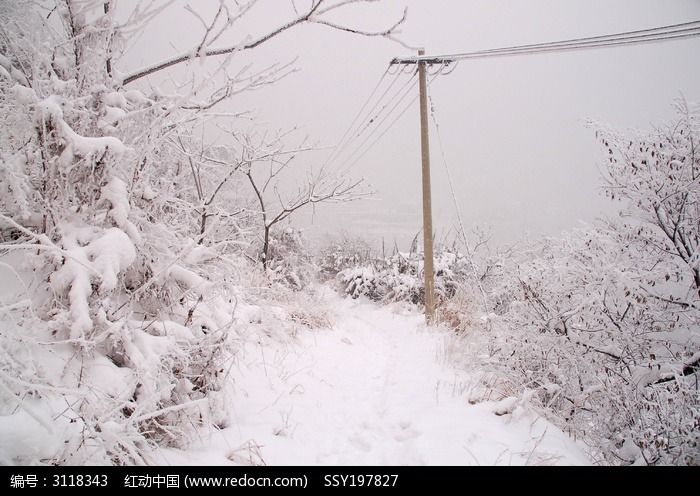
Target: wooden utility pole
x=427, y=205
x=428, y=270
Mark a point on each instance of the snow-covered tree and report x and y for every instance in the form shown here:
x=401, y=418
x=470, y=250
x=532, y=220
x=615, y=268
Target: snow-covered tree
x=126, y=252
x=266, y=159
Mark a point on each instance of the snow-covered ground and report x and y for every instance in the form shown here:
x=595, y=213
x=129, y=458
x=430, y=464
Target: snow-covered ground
x=374, y=389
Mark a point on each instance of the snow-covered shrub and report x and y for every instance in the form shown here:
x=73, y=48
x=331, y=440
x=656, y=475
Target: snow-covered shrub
x=129, y=385
x=132, y=311
x=599, y=351
x=289, y=260
x=400, y=277
x=462, y=312
x=601, y=327
x=361, y=281
x=344, y=253
x=279, y=312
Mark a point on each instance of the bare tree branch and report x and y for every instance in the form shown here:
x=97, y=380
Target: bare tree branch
x=312, y=15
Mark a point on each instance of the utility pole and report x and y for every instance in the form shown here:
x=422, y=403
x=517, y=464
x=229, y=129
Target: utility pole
x=427, y=204
x=422, y=63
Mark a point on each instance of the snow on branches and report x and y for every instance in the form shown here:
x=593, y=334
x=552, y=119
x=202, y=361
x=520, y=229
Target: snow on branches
x=602, y=326
x=658, y=175
x=133, y=234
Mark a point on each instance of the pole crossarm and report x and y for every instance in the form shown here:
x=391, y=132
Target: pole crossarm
x=424, y=60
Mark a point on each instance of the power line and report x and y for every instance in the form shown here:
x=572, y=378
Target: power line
x=360, y=125
x=584, y=46
x=403, y=92
x=353, y=158
x=627, y=35
x=638, y=34
x=355, y=129
x=391, y=125
x=381, y=135
x=373, y=118
x=359, y=113
x=664, y=33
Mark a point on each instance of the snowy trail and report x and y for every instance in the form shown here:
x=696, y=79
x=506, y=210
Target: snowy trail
x=373, y=390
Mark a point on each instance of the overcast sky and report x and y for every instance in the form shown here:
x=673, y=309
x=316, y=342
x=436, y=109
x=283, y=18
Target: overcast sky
x=514, y=128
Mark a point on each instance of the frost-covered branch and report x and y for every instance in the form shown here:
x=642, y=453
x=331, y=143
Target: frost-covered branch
x=317, y=189
x=314, y=14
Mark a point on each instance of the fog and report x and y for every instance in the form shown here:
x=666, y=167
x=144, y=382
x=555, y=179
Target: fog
x=514, y=129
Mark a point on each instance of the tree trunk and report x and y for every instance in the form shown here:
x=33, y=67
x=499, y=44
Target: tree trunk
x=266, y=247
x=109, y=59
x=203, y=226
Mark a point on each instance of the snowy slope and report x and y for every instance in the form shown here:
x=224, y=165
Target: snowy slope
x=372, y=390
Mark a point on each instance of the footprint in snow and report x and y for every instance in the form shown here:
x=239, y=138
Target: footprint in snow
x=359, y=442
x=406, y=432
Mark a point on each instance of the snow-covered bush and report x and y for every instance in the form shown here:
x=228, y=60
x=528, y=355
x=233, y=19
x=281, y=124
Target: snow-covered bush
x=400, y=277
x=601, y=328
x=344, y=253
x=463, y=312
x=599, y=351
x=289, y=260
x=84, y=185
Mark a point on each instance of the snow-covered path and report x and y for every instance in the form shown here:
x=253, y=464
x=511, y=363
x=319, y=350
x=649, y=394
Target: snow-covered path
x=373, y=390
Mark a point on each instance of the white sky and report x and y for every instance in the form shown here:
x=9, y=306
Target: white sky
x=522, y=159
